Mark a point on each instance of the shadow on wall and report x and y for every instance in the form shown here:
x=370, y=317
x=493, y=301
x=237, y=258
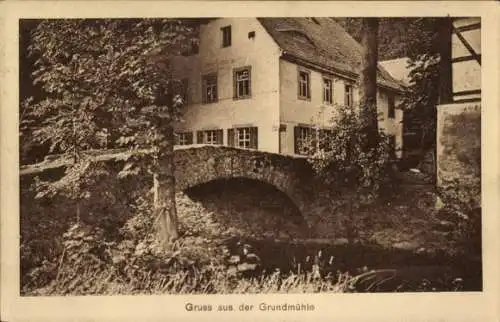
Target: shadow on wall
x=250, y=208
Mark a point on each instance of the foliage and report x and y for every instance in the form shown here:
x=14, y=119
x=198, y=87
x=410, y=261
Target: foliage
x=423, y=93
x=342, y=158
x=345, y=165
x=417, y=39
x=98, y=259
x=107, y=83
x=102, y=80
x=397, y=37
x=104, y=83
x=461, y=211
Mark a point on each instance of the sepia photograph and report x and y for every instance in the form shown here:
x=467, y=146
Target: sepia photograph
x=250, y=155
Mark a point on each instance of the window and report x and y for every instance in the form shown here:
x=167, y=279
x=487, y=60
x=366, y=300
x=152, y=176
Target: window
x=309, y=140
x=184, y=138
x=209, y=137
x=243, y=137
x=324, y=140
x=305, y=140
x=348, y=101
x=242, y=82
x=304, y=85
x=391, y=106
x=327, y=91
x=226, y=36
x=209, y=88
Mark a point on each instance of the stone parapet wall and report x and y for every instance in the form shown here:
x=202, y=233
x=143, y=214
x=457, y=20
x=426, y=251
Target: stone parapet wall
x=458, y=147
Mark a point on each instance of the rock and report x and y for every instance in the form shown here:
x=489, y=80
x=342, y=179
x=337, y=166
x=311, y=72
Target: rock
x=234, y=259
x=445, y=226
x=406, y=245
x=439, y=204
x=245, y=267
x=232, y=270
x=448, y=216
x=252, y=258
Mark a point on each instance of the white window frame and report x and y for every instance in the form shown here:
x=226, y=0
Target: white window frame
x=327, y=90
x=349, y=92
x=208, y=85
x=239, y=78
x=183, y=138
x=243, y=137
x=304, y=84
x=307, y=135
x=210, y=137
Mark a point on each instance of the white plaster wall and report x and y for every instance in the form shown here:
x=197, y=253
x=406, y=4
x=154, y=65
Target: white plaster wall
x=466, y=75
x=262, y=54
x=314, y=112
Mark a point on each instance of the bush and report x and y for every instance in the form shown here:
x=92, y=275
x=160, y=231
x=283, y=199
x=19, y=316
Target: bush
x=358, y=174
x=461, y=211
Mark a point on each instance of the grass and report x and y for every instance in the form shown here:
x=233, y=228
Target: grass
x=107, y=282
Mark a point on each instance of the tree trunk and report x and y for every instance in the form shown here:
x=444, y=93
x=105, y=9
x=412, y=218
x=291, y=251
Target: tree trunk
x=368, y=80
x=445, y=70
x=165, y=211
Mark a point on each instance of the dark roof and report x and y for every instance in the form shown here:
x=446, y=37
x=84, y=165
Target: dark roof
x=323, y=43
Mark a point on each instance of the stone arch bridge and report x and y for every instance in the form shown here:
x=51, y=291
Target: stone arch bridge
x=199, y=164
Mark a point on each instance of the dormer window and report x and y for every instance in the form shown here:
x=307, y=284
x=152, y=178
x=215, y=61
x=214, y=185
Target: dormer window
x=226, y=36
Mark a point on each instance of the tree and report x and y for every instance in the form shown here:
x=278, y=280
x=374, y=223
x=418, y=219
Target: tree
x=107, y=83
x=423, y=42
x=368, y=81
x=418, y=39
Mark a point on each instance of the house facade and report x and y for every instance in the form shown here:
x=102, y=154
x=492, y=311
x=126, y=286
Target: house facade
x=270, y=83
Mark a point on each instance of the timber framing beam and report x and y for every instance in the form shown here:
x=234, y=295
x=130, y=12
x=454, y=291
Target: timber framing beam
x=471, y=50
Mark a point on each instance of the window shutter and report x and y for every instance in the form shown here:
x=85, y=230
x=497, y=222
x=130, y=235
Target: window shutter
x=220, y=138
x=230, y=137
x=235, y=86
x=296, y=136
x=298, y=84
x=249, y=81
x=216, y=81
x=199, y=137
x=203, y=90
x=308, y=85
x=254, y=137
x=189, y=138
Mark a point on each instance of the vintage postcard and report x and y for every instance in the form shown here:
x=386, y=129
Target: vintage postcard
x=249, y=160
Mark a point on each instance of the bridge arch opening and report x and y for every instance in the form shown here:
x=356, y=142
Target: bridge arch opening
x=250, y=207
